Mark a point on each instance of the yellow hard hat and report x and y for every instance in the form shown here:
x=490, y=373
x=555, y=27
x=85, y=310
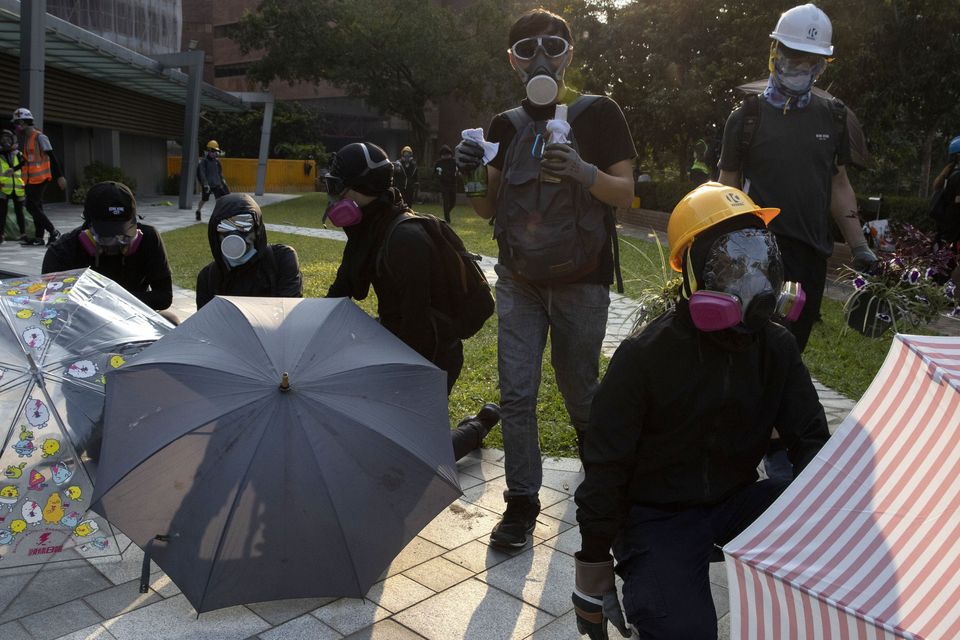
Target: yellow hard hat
x=706, y=206
x=213, y=145
x=405, y=149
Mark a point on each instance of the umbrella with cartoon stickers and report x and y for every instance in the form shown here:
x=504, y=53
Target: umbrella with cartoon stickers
x=59, y=333
x=275, y=448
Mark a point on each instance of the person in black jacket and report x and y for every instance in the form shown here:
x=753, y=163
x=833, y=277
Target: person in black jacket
x=672, y=450
x=243, y=263
x=405, y=271
x=446, y=171
x=114, y=244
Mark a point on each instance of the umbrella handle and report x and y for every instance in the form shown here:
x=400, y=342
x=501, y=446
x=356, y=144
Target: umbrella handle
x=145, y=567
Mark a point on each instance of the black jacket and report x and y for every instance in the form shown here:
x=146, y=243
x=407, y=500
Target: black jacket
x=682, y=418
x=274, y=271
x=144, y=273
x=407, y=277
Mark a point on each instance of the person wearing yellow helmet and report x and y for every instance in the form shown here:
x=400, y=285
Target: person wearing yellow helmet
x=671, y=459
x=210, y=176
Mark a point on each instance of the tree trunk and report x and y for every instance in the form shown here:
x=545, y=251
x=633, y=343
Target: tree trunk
x=926, y=153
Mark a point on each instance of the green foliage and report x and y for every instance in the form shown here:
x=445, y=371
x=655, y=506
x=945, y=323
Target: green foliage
x=295, y=128
x=663, y=195
x=171, y=185
x=99, y=172
x=904, y=209
x=296, y=151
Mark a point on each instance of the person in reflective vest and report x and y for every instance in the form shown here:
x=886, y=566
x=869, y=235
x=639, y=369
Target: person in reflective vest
x=11, y=182
x=41, y=167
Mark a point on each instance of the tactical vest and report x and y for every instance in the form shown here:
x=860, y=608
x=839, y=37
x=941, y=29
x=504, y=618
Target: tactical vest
x=38, y=162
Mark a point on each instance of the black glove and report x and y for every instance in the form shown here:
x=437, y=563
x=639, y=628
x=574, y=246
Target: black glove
x=595, y=600
x=563, y=160
x=863, y=258
x=468, y=155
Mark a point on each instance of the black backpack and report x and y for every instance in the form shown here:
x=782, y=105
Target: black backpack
x=548, y=232
x=751, y=122
x=469, y=302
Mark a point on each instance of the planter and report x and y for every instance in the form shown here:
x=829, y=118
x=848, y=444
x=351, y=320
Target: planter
x=869, y=315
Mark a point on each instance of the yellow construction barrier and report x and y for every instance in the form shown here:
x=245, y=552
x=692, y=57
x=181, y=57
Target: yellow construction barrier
x=283, y=176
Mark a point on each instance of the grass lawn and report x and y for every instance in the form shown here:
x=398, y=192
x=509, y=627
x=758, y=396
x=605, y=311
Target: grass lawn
x=845, y=361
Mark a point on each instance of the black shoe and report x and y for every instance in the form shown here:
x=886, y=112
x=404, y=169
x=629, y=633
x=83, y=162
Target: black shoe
x=53, y=237
x=2, y=239
x=23, y=238
x=471, y=431
x=518, y=520
x=198, y=215
x=32, y=242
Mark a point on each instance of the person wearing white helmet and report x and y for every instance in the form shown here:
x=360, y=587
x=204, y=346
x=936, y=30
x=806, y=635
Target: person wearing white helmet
x=41, y=167
x=788, y=148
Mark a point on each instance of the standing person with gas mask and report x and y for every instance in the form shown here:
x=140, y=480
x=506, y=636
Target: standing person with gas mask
x=671, y=458
x=42, y=166
x=210, y=175
x=407, y=179
x=11, y=183
x=113, y=243
x=243, y=263
x=556, y=265
x=404, y=267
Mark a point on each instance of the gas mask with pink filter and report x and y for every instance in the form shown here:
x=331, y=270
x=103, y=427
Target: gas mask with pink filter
x=742, y=285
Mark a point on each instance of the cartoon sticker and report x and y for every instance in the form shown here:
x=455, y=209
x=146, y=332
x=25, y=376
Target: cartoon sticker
x=53, y=511
x=61, y=472
x=36, y=413
x=5, y=537
x=82, y=369
x=9, y=495
x=36, y=480
x=117, y=361
x=50, y=447
x=54, y=286
x=72, y=519
x=34, y=337
x=13, y=472
x=25, y=314
x=74, y=493
x=18, y=526
x=86, y=528
x=25, y=446
x=32, y=513
x=100, y=544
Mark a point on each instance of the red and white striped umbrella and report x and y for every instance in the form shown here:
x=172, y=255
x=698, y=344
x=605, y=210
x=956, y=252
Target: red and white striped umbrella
x=866, y=541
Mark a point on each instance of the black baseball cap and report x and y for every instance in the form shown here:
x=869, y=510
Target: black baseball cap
x=111, y=209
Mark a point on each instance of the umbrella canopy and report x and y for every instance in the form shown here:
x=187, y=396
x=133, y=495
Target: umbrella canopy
x=281, y=448
x=859, y=154
x=59, y=334
x=866, y=541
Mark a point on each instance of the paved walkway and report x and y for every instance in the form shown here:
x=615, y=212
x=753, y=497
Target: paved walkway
x=447, y=584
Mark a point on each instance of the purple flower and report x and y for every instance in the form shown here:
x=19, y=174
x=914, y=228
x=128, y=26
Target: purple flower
x=912, y=276
x=930, y=273
x=921, y=299
x=882, y=317
x=950, y=290
x=956, y=311
x=896, y=262
x=859, y=282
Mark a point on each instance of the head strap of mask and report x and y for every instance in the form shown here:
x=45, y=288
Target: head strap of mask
x=90, y=243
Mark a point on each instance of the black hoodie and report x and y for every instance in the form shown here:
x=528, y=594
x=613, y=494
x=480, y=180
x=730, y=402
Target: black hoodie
x=274, y=271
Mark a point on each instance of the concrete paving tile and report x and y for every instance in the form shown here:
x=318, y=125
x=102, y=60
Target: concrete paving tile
x=303, y=628
x=473, y=610
x=492, y=455
x=123, y=569
x=163, y=584
x=94, y=632
x=175, y=619
x=490, y=495
x=13, y=631
x=279, y=611
x=385, y=630
x=478, y=556
x=397, y=593
x=548, y=528
x=718, y=573
x=721, y=600
x=348, y=615
x=563, y=481
x=566, y=511
x=484, y=470
x=120, y=599
x=568, y=542
x=50, y=587
x=723, y=628
x=458, y=524
x=541, y=576
x=438, y=574
x=57, y=621
x=564, y=628
x=417, y=551
x=467, y=481
x=562, y=464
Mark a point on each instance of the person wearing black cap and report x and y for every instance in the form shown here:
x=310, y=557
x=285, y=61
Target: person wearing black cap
x=114, y=244
x=446, y=171
x=243, y=263
x=409, y=281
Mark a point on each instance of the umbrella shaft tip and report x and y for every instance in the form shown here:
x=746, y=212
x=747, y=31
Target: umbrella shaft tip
x=285, y=382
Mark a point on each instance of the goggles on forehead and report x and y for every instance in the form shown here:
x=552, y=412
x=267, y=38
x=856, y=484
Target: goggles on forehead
x=553, y=46
x=335, y=186
x=242, y=223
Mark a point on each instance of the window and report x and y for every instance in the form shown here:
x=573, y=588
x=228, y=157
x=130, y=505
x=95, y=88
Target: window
x=224, y=30
x=230, y=70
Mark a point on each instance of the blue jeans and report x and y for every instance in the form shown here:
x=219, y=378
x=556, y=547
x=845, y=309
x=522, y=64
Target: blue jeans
x=664, y=560
x=575, y=316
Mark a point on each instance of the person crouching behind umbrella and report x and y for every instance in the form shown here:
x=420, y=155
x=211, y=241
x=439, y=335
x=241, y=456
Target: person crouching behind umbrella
x=243, y=263
x=672, y=450
x=363, y=201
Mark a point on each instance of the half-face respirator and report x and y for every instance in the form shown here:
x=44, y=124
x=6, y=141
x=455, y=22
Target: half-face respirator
x=237, y=238
x=546, y=61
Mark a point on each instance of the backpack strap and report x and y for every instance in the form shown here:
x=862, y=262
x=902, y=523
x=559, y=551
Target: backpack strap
x=580, y=105
x=839, y=112
x=751, y=122
x=381, y=258
x=518, y=117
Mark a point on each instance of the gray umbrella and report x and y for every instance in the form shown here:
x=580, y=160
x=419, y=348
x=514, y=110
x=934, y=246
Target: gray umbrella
x=859, y=154
x=279, y=448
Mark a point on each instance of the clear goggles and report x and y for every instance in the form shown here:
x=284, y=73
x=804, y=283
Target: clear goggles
x=108, y=242
x=793, y=62
x=553, y=46
x=335, y=185
x=744, y=263
x=240, y=223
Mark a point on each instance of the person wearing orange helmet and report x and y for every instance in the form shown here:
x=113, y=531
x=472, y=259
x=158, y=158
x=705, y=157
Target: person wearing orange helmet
x=671, y=458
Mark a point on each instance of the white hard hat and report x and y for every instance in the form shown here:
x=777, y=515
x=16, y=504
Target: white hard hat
x=805, y=28
x=22, y=114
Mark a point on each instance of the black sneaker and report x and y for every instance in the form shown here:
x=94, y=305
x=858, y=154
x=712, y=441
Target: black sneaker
x=488, y=417
x=53, y=237
x=32, y=242
x=198, y=215
x=518, y=520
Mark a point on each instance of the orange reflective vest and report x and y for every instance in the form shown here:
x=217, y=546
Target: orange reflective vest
x=11, y=185
x=37, y=169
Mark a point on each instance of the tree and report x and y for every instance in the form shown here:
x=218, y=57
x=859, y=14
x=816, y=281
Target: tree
x=398, y=56
x=239, y=133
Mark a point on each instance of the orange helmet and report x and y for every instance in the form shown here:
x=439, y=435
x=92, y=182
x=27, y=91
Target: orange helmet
x=706, y=206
